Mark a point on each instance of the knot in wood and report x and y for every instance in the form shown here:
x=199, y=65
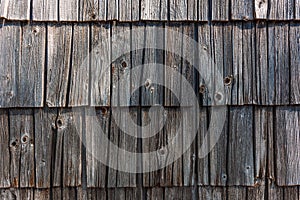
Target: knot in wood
x=14, y=143
x=25, y=139
x=147, y=83
x=202, y=89
x=218, y=96
x=59, y=123
x=124, y=64
x=228, y=80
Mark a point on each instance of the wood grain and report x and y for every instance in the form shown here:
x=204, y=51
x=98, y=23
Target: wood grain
x=4, y=150
x=278, y=58
x=80, y=68
x=59, y=59
x=241, y=162
x=100, y=65
x=10, y=45
x=16, y=10
x=45, y=130
x=45, y=10
x=22, y=148
x=287, y=148
x=68, y=10
x=242, y=10
x=281, y=10
x=294, y=63
x=154, y=10
x=95, y=122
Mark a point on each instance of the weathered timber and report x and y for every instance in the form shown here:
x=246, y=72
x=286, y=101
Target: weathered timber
x=15, y=10
x=45, y=10
x=152, y=121
x=97, y=121
x=202, y=169
x=260, y=9
x=212, y=193
x=184, y=10
x=59, y=60
x=67, y=148
x=129, y=10
x=264, y=91
x=220, y=10
x=281, y=10
x=10, y=44
x=287, y=148
x=295, y=63
x=45, y=129
x=242, y=9
x=154, y=10
x=80, y=69
x=278, y=57
x=100, y=65
x=22, y=148
x=243, y=63
x=172, y=175
x=31, y=70
x=4, y=150
x=121, y=65
x=263, y=128
x=205, y=65
x=92, y=10
x=241, y=161
x=218, y=156
x=68, y=10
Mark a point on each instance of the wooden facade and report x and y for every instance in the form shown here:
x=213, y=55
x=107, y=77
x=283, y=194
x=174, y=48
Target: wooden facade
x=255, y=44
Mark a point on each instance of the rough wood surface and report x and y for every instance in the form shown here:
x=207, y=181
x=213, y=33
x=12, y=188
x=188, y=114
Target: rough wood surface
x=45, y=130
x=243, y=63
x=297, y=10
x=281, y=10
x=92, y=10
x=45, y=10
x=147, y=55
x=22, y=148
x=202, y=169
x=31, y=70
x=10, y=45
x=218, y=157
x=68, y=10
x=23, y=60
x=264, y=91
x=16, y=10
x=242, y=9
x=68, y=148
x=154, y=10
x=220, y=10
x=152, y=144
x=121, y=66
x=263, y=128
x=112, y=10
x=241, y=163
x=59, y=59
x=294, y=62
x=287, y=149
x=80, y=68
x=95, y=122
x=206, y=66
x=100, y=69
x=129, y=10
x=173, y=173
x=173, y=61
x=4, y=150
x=278, y=58
x=260, y=9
